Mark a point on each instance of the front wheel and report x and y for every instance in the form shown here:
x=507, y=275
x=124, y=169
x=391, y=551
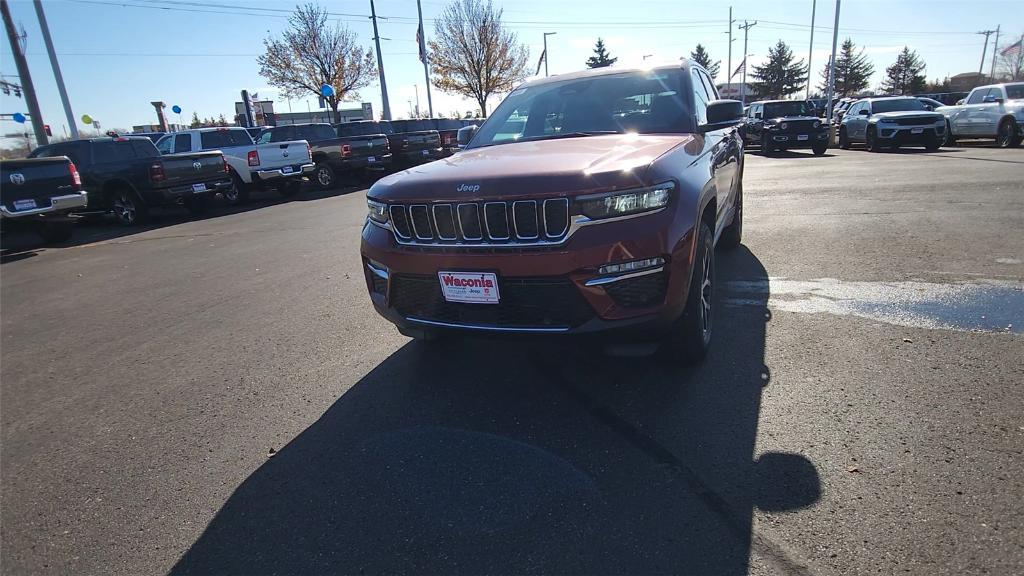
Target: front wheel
x=324, y=176
x=948, y=139
x=1006, y=136
x=872, y=141
x=691, y=334
x=844, y=139
x=238, y=193
x=819, y=149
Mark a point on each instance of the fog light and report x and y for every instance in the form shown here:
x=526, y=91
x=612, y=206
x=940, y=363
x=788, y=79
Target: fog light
x=633, y=266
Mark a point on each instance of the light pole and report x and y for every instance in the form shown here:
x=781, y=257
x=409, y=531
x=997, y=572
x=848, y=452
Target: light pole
x=48, y=40
x=746, y=26
x=832, y=72
x=810, y=51
x=546, y=34
x=729, y=65
x=380, y=65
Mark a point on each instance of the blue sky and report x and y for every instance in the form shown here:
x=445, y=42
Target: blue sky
x=118, y=55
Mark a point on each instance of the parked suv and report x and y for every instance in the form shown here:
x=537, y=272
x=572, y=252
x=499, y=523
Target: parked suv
x=891, y=122
x=784, y=125
x=598, y=216
x=995, y=111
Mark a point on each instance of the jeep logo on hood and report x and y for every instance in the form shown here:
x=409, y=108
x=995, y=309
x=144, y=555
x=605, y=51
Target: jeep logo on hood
x=468, y=188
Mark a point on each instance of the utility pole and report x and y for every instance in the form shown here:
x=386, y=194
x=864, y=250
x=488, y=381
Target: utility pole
x=810, y=51
x=380, y=64
x=546, y=34
x=56, y=68
x=423, y=57
x=417, y=88
x=986, y=34
x=995, y=48
x=832, y=71
x=746, y=26
x=26, y=77
x=729, y=66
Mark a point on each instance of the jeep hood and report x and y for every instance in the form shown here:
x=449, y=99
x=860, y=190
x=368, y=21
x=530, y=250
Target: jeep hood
x=535, y=169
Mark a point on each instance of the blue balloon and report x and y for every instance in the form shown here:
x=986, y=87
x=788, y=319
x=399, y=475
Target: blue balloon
x=327, y=90
x=176, y=109
x=19, y=117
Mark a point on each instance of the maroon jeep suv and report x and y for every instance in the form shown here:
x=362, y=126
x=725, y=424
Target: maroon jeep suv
x=587, y=204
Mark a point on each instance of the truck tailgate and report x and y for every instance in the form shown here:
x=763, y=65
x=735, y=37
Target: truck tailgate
x=410, y=141
x=192, y=167
x=363, y=146
x=279, y=154
x=40, y=178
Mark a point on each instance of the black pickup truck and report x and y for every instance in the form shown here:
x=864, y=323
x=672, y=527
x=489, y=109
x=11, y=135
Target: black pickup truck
x=41, y=193
x=369, y=147
x=127, y=175
x=330, y=153
x=414, y=141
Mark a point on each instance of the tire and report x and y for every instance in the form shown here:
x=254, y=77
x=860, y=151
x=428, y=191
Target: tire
x=239, y=192
x=128, y=207
x=324, y=176
x=690, y=337
x=55, y=232
x=819, y=150
x=197, y=206
x=732, y=236
x=872, y=141
x=1006, y=134
x=948, y=138
x=844, y=139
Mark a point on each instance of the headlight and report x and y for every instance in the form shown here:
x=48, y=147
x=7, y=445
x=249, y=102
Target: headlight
x=377, y=211
x=598, y=206
x=783, y=126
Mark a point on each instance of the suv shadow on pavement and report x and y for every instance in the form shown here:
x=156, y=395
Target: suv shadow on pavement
x=510, y=457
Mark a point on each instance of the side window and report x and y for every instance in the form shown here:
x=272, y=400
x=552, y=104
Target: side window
x=42, y=152
x=709, y=86
x=700, y=98
x=112, y=151
x=282, y=134
x=164, y=145
x=265, y=137
x=183, y=143
x=977, y=96
x=758, y=111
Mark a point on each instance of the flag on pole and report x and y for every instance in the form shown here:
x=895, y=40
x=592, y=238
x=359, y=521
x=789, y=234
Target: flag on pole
x=543, y=57
x=739, y=68
x=421, y=43
x=1012, y=49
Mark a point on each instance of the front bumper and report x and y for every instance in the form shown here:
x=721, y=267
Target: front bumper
x=180, y=193
x=907, y=135
x=799, y=139
x=293, y=171
x=58, y=205
x=544, y=290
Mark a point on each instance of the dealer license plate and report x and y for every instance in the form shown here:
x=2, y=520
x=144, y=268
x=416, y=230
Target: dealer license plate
x=469, y=287
x=287, y=170
x=426, y=152
x=916, y=130
x=372, y=159
x=199, y=187
x=802, y=137
x=27, y=204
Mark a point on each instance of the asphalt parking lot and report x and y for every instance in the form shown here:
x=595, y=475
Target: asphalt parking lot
x=218, y=396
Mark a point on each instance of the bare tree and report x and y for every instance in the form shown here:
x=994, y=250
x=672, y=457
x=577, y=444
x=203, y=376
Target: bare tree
x=472, y=55
x=311, y=54
x=1010, y=62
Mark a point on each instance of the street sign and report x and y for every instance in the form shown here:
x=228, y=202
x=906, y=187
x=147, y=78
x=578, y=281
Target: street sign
x=367, y=111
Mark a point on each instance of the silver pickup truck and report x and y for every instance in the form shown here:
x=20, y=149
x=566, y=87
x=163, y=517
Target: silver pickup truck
x=280, y=165
x=993, y=111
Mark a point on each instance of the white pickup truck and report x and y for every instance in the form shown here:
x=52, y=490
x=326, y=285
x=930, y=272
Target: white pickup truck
x=280, y=165
x=993, y=111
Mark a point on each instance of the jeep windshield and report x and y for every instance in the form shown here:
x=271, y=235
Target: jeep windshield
x=781, y=109
x=646, y=102
x=898, y=105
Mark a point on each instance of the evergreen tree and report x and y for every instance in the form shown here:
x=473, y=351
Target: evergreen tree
x=700, y=56
x=601, y=58
x=781, y=75
x=221, y=121
x=853, y=71
x=196, y=122
x=906, y=75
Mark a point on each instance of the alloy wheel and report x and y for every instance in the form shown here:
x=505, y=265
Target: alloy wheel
x=323, y=177
x=1005, y=135
x=124, y=208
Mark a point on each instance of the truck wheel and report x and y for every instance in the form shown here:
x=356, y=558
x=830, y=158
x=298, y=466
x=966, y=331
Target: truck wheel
x=55, y=232
x=932, y=144
x=732, y=236
x=844, y=139
x=127, y=207
x=238, y=193
x=1006, y=135
x=690, y=337
x=872, y=141
x=948, y=139
x=197, y=206
x=324, y=176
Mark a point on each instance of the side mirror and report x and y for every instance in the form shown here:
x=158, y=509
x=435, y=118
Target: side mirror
x=864, y=112
x=992, y=99
x=722, y=114
x=466, y=134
